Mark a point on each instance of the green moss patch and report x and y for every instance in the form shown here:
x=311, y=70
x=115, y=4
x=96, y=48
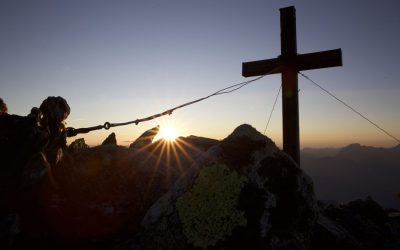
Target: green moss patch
x=208, y=211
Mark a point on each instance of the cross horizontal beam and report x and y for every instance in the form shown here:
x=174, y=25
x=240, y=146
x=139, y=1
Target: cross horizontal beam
x=317, y=60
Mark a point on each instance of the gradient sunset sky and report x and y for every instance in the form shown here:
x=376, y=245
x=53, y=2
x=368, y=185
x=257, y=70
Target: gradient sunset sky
x=118, y=61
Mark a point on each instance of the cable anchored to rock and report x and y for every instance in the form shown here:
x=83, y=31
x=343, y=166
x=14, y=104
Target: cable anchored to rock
x=107, y=125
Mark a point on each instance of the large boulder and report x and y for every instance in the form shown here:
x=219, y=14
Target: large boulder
x=243, y=193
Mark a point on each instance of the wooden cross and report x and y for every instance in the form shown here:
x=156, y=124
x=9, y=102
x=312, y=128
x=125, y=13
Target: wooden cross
x=288, y=64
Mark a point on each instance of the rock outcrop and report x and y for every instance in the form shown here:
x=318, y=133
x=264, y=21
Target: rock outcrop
x=77, y=145
x=269, y=199
x=110, y=140
x=145, y=139
x=3, y=107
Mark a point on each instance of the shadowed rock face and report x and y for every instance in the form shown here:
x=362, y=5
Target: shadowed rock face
x=360, y=224
x=278, y=198
x=102, y=190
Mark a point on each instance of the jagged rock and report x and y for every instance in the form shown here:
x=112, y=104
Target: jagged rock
x=360, y=225
x=3, y=107
x=145, y=139
x=110, y=140
x=77, y=145
x=276, y=200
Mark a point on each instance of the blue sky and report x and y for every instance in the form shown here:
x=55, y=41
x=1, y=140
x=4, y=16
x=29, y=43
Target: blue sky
x=121, y=60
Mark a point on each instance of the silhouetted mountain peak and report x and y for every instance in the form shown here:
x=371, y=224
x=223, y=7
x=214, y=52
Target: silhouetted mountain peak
x=356, y=150
x=354, y=147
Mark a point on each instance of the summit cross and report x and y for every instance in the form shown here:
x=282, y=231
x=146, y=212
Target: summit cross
x=289, y=63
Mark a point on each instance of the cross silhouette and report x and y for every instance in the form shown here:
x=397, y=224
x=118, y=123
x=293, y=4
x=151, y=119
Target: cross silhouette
x=288, y=64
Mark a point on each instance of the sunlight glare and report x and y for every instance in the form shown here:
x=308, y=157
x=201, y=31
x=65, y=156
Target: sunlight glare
x=168, y=133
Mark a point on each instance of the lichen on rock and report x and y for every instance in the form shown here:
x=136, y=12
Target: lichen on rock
x=208, y=211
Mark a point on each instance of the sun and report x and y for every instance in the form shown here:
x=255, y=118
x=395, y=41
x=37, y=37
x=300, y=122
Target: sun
x=168, y=133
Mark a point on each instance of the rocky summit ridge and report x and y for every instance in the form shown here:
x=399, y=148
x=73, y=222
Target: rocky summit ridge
x=242, y=192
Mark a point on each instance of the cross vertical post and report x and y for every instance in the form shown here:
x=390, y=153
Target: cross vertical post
x=290, y=97
x=289, y=63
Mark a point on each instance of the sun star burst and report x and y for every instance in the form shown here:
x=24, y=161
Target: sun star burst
x=168, y=133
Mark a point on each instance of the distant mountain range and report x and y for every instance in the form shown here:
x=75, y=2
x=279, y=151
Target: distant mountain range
x=355, y=171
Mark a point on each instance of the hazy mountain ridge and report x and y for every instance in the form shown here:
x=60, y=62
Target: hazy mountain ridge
x=355, y=171
x=319, y=152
